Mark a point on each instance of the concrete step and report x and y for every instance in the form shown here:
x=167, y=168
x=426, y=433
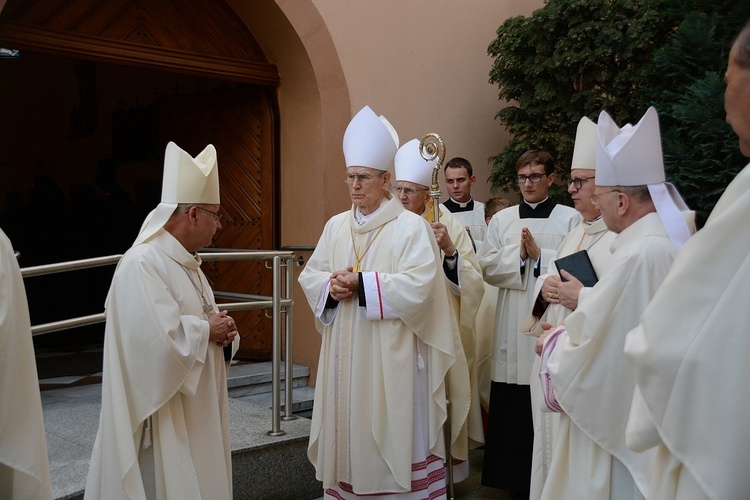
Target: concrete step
x=252, y=383
x=263, y=467
x=256, y=378
x=302, y=400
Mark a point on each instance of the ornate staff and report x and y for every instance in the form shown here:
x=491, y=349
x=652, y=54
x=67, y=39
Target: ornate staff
x=430, y=147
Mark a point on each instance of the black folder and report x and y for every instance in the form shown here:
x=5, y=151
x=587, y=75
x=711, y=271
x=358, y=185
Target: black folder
x=579, y=265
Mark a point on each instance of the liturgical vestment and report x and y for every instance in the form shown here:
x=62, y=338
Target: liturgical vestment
x=509, y=441
x=466, y=297
x=164, y=385
x=471, y=216
x=588, y=377
x=689, y=356
x=24, y=468
x=596, y=239
x=364, y=424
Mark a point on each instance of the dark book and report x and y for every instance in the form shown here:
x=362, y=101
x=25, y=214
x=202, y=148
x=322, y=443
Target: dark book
x=579, y=265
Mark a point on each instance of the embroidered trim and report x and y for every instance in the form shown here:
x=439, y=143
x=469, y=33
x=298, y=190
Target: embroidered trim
x=435, y=474
x=380, y=294
x=549, y=393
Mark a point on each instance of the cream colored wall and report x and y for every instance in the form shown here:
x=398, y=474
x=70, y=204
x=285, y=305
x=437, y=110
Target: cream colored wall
x=424, y=65
x=421, y=63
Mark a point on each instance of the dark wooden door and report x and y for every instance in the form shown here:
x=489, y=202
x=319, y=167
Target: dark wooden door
x=239, y=124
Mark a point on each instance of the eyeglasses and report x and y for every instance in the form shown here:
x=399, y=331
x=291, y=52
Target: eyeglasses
x=409, y=191
x=217, y=215
x=534, y=178
x=578, y=181
x=594, y=198
x=362, y=178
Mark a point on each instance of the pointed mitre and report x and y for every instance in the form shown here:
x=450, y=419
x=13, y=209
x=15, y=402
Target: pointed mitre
x=584, y=150
x=410, y=166
x=370, y=141
x=629, y=156
x=188, y=179
x=185, y=180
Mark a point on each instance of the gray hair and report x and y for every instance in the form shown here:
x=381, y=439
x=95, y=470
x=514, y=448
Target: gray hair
x=742, y=42
x=638, y=193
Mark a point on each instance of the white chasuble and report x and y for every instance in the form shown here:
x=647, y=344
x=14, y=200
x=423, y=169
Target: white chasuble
x=500, y=260
x=164, y=383
x=590, y=378
x=690, y=359
x=24, y=467
x=596, y=240
x=363, y=424
x=465, y=299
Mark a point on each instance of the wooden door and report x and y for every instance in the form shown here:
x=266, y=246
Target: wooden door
x=239, y=124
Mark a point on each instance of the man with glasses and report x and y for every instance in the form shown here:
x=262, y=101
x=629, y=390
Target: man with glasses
x=459, y=264
x=164, y=425
x=555, y=299
x=584, y=375
x=521, y=241
x=382, y=309
x=689, y=352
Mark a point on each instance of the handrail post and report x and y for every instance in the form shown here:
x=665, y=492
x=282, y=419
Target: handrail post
x=276, y=361
x=289, y=273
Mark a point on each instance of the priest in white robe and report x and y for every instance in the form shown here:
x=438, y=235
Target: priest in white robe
x=556, y=299
x=585, y=376
x=164, y=424
x=521, y=242
x=689, y=352
x=381, y=306
x=486, y=321
x=459, y=178
x=24, y=467
x=414, y=177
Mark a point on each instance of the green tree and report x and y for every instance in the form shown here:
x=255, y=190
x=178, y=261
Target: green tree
x=574, y=58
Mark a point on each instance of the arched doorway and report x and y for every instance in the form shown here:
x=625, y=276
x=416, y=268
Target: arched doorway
x=188, y=37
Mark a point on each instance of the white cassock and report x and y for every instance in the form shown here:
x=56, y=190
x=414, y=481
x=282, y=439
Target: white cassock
x=500, y=260
x=590, y=380
x=466, y=295
x=689, y=356
x=596, y=239
x=472, y=220
x=164, y=385
x=24, y=467
x=380, y=392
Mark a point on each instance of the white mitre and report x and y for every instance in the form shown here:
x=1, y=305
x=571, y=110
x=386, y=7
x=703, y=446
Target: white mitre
x=632, y=156
x=411, y=167
x=370, y=141
x=584, y=150
x=185, y=180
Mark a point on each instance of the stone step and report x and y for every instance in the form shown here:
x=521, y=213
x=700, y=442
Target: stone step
x=256, y=378
x=302, y=400
x=264, y=467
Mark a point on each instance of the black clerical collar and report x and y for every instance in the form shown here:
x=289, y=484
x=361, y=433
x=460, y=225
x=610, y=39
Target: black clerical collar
x=541, y=211
x=456, y=206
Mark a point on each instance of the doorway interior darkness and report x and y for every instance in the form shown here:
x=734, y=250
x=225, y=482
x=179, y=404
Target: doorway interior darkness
x=81, y=167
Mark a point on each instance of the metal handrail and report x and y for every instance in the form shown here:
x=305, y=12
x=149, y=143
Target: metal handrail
x=277, y=303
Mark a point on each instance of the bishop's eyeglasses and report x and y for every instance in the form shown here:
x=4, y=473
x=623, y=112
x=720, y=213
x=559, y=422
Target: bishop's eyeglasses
x=579, y=181
x=362, y=178
x=217, y=215
x=409, y=191
x=594, y=198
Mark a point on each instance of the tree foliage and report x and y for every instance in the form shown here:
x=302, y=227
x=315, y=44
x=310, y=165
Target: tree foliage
x=574, y=58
